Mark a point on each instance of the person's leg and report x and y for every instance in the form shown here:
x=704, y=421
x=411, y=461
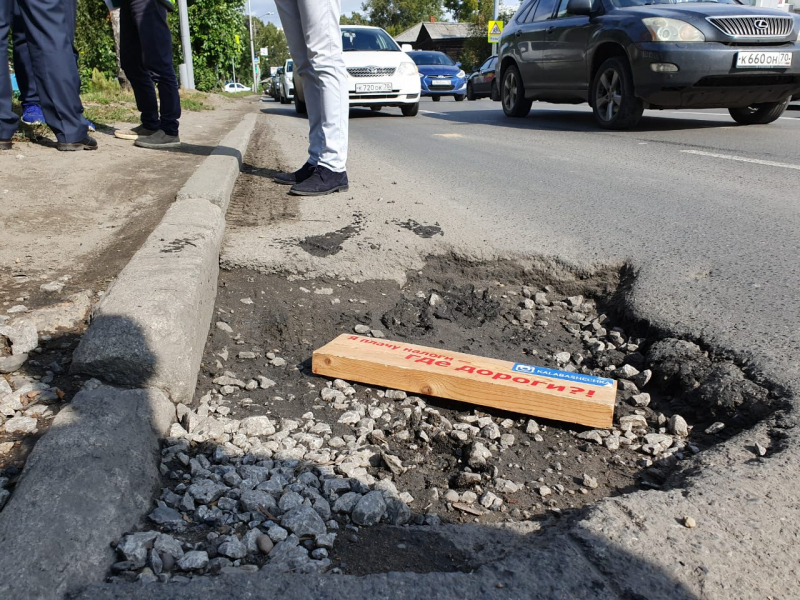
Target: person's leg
x=155, y=40
x=320, y=20
x=47, y=25
x=8, y=120
x=293, y=29
x=23, y=69
x=130, y=54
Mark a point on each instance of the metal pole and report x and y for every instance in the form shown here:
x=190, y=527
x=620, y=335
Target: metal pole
x=252, y=49
x=494, y=18
x=186, y=43
x=233, y=66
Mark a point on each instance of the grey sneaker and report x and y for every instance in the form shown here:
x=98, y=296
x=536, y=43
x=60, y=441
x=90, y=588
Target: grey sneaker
x=158, y=140
x=134, y=133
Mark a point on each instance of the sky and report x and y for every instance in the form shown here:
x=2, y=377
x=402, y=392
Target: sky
x=260, y=7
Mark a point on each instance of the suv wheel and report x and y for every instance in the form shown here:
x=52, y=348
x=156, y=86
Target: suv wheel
x=513, y=94
x=759, y=114
x=613, y=102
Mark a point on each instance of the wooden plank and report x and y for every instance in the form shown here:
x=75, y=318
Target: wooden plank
x=515, y=387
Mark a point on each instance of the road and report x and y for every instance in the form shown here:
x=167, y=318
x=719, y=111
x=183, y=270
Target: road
x=708, y=211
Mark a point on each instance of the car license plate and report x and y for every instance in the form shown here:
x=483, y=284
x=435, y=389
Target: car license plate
x=749, y=60
x=373, y=87
x=441, y=82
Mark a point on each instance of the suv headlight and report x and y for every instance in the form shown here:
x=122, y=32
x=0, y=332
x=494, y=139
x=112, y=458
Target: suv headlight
x=407, y=68
x=672, y=30
x=461, y=74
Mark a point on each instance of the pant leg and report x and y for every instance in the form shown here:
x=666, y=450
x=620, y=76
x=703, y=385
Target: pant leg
x=130, y=54
x=155, y=39
x=28, y=94
x=47, y=26
x=293, y=30
x=8, y=120
x=320, y=20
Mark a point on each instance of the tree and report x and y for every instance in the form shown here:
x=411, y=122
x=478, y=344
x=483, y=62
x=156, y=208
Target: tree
x=270, y=37
x=354, y=19
x=396, y=16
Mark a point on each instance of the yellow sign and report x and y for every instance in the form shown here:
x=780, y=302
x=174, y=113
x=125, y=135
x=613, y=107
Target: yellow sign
x=236, y=37
x=495, y=29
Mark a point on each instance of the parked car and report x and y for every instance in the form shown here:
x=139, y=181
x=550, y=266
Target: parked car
x=482, y=83
x=379, y=72
x=439, y=75
x=233, y=87
x=286, y=83
x=623, y=56
x=274, y=85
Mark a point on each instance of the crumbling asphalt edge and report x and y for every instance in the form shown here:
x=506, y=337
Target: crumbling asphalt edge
x=91, y=477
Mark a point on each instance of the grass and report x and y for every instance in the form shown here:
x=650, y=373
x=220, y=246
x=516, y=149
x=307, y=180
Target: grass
x=238, y=94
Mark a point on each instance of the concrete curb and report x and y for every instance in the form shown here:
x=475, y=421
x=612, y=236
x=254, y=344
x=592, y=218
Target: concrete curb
x=92, y=476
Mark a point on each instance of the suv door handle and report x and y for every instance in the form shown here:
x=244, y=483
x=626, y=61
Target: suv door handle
x=551, y=29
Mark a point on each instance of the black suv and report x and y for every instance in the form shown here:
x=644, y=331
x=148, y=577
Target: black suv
x=623, y=56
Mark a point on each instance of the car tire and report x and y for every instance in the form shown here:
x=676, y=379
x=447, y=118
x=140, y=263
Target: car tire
x=375, y=108
x=300, y=107
x=470, y=92
x=495, y=93
x=410, y=110
x=284, y=99
x=759, y=114
x=459, y=97
x=436, y=98
x=613, y=79
x=513, y=94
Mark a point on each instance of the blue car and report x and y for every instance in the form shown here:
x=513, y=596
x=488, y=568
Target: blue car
x=439, y=75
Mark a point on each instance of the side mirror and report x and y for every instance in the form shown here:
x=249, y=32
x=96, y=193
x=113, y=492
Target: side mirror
x=406, y=48
x=458, y=64
x=580, y=7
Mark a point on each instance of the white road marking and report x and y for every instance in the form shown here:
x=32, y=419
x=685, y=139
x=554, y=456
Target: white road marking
x=448, y=135
x=756, y=161
x=428, y=112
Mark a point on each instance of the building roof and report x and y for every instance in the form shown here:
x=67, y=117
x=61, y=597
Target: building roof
x=436, y=31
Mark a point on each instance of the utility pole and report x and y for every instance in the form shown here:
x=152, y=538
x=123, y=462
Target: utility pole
x=252, y=50
x=494, y=18
x=186, y=44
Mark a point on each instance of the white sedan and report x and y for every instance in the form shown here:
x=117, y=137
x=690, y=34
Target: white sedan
x=235, y=87
x=379, y=73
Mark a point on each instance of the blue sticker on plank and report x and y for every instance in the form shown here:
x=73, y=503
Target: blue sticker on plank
x=566, y=375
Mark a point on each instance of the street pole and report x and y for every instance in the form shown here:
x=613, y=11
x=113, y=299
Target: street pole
x=186, y=43
x=494, y=18
x=252, y=49
x=233, y=66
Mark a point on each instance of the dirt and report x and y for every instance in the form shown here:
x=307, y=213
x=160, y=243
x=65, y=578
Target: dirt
x=292, y=317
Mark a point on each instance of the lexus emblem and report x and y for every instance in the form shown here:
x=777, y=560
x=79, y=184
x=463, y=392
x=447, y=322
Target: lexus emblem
x=761, y=23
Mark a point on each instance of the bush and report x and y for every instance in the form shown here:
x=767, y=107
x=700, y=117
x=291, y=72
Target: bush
x=104, y=85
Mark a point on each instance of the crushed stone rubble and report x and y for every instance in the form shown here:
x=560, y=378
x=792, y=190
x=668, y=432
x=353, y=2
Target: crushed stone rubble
x=269, y=492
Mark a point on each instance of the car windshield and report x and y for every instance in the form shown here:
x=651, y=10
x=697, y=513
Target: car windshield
x=289, y=66
x=368, y=40
x=431, y=58
x=630, y=3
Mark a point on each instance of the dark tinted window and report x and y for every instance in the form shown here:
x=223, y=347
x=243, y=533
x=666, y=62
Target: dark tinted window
x=523, y=11
x=486, y=63
x=562, y=10
x=544, y=10
x=431, y=58
x=529, y=13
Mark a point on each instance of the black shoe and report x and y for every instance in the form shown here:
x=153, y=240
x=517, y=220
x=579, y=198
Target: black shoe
x=87, y=143
x=322, y=182
x=299, y=176
x=5, y=144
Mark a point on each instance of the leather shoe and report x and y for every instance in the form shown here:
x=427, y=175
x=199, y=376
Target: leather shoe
x=323, y=181
x=87, y=143
x=5, y=144
x=299, y=176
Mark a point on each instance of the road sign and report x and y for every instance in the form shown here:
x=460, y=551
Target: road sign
x=236, y=37
x=256, y=60
x=264, y=52
x=495, y=29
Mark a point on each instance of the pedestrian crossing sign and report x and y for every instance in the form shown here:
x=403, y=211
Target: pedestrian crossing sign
x=495, y=29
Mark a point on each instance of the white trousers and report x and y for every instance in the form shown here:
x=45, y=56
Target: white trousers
x=315, y=43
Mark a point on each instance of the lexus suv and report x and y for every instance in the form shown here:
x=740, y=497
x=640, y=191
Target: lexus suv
x=622, y=56
x=379, y=72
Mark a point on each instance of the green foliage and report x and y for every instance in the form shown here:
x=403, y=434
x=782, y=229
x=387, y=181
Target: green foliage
x=395, y=16
x=354, y=19
x=270, y=37
x=94, y=40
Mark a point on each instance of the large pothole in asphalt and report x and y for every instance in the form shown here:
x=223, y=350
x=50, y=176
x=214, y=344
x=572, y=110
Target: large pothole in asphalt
x=271, y=455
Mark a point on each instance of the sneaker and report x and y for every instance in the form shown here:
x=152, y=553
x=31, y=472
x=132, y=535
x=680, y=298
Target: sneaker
x=158, y=140
x=299, y=176
x=323, y=181
x=89, y=125
x=5, y=144
x=134, y=133
x=87, y=143
x=32, y=114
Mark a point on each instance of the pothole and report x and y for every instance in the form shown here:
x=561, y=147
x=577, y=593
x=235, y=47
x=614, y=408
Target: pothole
x=274, y=468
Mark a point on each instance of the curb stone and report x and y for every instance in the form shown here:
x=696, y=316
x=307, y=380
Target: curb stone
x=92, y=476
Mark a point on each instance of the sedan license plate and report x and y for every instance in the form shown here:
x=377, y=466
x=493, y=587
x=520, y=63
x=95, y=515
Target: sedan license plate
x=749, y=60
x=441, y=82
x=373, y=87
